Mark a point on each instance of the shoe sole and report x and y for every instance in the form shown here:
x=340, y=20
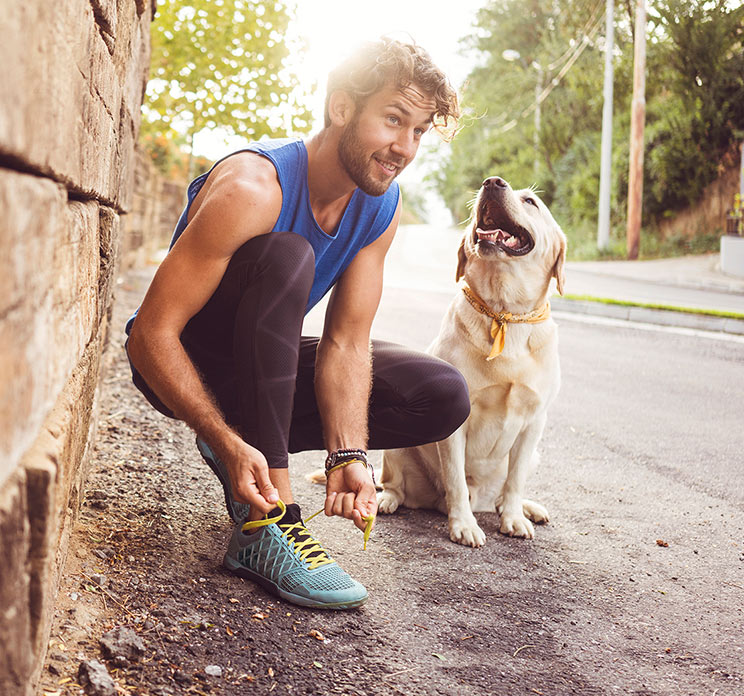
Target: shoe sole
x=225, y=488
x=270, y=586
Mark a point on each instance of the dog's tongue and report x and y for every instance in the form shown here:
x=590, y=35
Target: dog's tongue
x=497, y=235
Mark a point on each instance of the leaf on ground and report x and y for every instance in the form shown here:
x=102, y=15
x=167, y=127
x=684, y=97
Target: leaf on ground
x=317, y=664
x=315, y=633
x=441, y=657
x=661, y=542
x=229, y=631
x=232, y=600
x=259, y=616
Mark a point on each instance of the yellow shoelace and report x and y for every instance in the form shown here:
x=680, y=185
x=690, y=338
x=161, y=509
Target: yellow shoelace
x=312, y=544
x=369, y=519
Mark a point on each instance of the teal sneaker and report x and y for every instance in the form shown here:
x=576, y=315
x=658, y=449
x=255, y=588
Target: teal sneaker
x=237, y=511
x=284, y=558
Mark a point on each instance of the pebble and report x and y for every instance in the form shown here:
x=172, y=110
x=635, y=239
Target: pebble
x=99, y=579
x=96, y=680
x=122, y=642
x=213, y=670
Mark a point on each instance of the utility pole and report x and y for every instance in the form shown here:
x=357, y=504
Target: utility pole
x=638, y=115
x=605, y=175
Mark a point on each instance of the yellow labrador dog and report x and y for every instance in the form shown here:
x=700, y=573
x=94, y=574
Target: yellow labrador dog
x=499, y=334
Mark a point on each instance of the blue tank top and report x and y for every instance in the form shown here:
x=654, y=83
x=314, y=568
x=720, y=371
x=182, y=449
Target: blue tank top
x=364, y=220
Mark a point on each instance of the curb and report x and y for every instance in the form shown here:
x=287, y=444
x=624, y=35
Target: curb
x=662, y=317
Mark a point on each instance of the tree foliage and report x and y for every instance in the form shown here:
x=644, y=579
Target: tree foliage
x=221, y=63
x=694, y=96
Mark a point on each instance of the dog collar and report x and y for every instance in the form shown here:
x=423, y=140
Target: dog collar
x=500, y=320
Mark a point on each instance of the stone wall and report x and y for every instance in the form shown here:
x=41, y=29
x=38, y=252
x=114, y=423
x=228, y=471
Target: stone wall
x=74, y=74
x=156, y=206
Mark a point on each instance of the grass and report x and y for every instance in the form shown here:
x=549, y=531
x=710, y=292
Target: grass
x=582, y=244
x=624, y=303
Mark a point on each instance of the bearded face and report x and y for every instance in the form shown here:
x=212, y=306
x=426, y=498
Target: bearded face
x=370, y=171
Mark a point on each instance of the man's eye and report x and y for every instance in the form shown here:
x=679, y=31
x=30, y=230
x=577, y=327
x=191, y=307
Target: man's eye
x=394, y=119
x=531, y=201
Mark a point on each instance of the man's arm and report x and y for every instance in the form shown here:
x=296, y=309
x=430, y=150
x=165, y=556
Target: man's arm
x=243, y=200
x=343, y=375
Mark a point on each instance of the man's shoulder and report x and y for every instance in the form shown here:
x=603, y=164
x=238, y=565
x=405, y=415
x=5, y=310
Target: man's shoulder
x=241, y=182
x=244, y=167
x=260, y=163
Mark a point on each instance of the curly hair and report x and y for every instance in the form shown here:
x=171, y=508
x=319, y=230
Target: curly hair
x=388, y=61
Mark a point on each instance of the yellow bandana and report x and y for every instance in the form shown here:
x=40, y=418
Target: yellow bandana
x=500, y=320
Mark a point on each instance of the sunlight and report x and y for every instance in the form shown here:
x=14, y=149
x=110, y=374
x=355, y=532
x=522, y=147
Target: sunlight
x=331, y=29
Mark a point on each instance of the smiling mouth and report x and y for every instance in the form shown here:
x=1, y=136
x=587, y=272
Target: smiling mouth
x=389, y=167
x=515, y=241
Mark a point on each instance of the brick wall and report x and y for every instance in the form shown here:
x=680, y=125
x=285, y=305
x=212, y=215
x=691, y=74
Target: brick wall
x=73, y=79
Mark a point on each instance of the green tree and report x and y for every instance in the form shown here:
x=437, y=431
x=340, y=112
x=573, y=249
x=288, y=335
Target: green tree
x=518, y=46
x=221, y=63
x=696, y=114
x=694, y=98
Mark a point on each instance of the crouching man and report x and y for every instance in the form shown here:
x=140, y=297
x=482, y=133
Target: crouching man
x=266, y=233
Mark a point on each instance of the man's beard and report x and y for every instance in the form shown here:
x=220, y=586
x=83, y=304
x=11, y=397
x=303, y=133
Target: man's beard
x=357, y=164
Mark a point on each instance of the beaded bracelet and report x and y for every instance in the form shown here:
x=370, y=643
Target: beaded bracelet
x=343, y=457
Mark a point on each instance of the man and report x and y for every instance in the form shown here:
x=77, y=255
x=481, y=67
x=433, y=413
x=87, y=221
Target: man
x=216, y=343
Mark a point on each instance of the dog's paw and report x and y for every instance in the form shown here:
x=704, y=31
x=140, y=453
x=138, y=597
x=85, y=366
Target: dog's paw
x=387, y=502
x=516, y=526
x=466, y=532
x=535, y=512
x=318, y=476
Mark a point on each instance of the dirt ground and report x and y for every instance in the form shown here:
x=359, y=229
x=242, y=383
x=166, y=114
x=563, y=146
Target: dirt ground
x=545, y=617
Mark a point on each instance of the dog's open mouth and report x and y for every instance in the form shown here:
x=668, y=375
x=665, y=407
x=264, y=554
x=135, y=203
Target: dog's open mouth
x=515, y=242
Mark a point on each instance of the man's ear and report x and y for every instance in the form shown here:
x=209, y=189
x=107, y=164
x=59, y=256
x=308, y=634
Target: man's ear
x=560, y=262
x=461, y=259
x=341, y=108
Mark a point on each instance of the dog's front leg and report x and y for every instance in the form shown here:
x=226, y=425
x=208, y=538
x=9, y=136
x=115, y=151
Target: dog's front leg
x=512, y=508
x=463, y=526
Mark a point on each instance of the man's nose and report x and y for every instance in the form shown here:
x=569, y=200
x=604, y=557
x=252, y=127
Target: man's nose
x=405, y=145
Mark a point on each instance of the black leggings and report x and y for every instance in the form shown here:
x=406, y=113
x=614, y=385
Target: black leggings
x=246, y=344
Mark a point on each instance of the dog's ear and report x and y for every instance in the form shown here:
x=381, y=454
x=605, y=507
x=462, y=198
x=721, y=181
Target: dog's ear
x=560, y=262
x=461, y=259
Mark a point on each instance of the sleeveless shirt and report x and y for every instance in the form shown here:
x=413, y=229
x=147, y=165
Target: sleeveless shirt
x=363, y=221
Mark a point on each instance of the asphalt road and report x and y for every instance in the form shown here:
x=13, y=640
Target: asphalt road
x=636, y=586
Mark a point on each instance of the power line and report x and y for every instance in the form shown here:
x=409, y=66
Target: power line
x=554, y=82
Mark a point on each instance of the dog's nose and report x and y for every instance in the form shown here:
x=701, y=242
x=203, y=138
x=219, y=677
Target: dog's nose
x=494, y=182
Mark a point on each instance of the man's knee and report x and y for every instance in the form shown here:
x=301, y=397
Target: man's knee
x=282, y=256
x=450, y=401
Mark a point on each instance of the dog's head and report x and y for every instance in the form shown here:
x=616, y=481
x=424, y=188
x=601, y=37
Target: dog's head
x=514, y=242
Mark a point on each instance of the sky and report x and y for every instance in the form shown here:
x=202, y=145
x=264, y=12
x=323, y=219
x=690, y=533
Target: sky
x=332, y=28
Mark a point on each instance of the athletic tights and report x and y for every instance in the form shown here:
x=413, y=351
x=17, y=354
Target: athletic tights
x=246, y=344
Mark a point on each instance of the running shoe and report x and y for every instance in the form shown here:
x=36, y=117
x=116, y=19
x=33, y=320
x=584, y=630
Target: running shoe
x=237, y=511
x=280, y=554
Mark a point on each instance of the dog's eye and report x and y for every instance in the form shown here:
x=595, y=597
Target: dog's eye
x=531, y=201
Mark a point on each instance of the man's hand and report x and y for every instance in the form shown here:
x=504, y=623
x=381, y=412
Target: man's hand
x=350, y=493
x=249, y=475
